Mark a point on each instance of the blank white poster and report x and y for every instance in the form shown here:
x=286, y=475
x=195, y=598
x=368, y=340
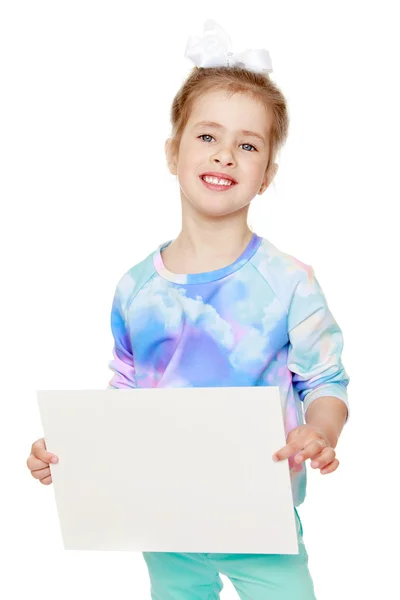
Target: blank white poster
x=170, y=469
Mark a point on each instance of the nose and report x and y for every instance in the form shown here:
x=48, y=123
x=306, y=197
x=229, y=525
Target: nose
x=224, y=157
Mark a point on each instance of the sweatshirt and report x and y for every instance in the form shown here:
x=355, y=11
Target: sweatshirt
x=262, y=320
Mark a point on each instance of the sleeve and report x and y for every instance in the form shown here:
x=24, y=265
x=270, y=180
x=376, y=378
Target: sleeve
x=122, y=364
x=315, y=344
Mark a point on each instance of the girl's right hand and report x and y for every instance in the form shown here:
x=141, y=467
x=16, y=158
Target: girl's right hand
x=38, y=462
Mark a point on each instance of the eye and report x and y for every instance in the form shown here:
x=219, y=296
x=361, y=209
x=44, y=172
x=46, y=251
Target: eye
x=205, y=135
x=251, y=146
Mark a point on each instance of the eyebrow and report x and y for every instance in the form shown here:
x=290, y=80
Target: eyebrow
x=218, y=126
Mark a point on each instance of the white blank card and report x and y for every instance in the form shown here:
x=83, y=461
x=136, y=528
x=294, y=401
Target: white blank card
x=170, y=469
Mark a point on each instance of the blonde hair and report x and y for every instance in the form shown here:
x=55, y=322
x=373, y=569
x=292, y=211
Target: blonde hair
x=233, y=80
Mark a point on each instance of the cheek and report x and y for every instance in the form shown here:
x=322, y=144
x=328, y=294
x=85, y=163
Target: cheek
x=191, y=160
x=256, y=173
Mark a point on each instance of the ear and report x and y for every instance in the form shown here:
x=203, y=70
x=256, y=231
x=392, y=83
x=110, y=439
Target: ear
x=268, y=177
x=171, y=156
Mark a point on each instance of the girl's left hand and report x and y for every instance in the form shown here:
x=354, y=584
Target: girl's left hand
x=311, y=443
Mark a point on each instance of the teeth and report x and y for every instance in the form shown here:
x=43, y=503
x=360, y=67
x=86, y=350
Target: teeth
x=215, y=180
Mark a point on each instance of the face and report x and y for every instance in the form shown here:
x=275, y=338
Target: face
x=229, y=147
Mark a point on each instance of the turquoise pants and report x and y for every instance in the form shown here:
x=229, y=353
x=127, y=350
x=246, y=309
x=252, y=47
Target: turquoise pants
x=195, y=576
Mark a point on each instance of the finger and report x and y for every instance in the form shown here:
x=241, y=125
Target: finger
x=331, y=467
x=34, y=463
x=323, y=459
x=311, y=450
x=287, y=451
x=41, y=474
x=46, y=481
x=39, y=450
x=39, y=444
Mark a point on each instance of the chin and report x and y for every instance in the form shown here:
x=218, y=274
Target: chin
x=217, y=209
x=214, y=204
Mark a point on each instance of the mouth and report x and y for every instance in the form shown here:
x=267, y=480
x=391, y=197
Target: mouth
x=217, y=183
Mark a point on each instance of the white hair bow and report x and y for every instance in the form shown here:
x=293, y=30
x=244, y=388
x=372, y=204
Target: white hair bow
x=214, y=49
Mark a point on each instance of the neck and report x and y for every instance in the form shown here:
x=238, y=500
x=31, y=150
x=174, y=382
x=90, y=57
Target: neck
x=208, y=243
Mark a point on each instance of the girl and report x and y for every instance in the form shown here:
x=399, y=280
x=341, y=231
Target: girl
x=222, y=306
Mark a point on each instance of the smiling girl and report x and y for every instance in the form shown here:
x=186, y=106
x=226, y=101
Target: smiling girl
x=221, y=306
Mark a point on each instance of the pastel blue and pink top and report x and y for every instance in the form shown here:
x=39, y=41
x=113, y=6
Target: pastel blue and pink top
x=262, y=320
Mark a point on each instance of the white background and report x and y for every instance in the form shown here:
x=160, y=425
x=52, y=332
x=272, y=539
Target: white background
x=86, y=89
